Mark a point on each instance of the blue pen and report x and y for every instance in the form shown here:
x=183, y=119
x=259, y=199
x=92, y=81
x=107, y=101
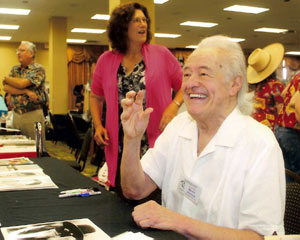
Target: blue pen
x=87, y=194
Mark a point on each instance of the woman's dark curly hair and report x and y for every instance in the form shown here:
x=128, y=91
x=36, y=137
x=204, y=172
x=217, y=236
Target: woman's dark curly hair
x=117, y=27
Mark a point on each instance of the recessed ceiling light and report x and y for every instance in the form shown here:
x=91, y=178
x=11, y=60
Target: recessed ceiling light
x=15, y=11
x=88, y=30
x=246, y=9
x=160, y=1
x=166, y=35
x=5, y=37
x=100, y=17
x=293, y=53
x=192, y=46
x=198, y=24
x=11, y=27
x=270, y=30
x=76, y=40
x=237, y=39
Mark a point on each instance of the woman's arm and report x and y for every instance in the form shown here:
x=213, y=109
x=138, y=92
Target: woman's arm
x=171, y=110
x=96, y=107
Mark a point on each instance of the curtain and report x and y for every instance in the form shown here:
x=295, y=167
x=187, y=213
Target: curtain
x=80, y=60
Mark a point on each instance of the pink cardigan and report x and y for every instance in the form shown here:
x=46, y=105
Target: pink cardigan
x=163, y=73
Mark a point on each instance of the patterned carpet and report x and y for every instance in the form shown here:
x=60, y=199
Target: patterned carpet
x=60, y=150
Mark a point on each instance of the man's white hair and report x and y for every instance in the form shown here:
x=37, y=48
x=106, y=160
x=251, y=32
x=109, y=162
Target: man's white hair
x=234, y=65
x=31, y=47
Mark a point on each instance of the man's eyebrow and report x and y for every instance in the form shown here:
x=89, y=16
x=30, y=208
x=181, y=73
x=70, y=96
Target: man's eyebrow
x=200, y=67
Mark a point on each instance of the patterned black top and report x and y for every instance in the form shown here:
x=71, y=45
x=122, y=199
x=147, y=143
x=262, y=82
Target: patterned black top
x=134, y=81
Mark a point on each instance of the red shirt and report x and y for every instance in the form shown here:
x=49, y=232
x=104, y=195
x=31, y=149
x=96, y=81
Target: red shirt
x=267, y=98
x=287, y=117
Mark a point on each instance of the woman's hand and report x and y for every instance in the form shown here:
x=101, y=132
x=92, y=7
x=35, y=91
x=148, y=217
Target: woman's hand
x=169, y=113
x=101, y=136
x=134, y=119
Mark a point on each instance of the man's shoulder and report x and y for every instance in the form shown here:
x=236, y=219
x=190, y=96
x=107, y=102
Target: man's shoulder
x=257, y=132
x=15, y=67
x=36, y=66
x=244, y=128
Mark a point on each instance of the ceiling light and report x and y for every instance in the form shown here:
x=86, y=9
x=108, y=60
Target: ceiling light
x=12, y=27
x=88, y=30
x=100, y=17
x=166, y=35
x=293, y=53
x=160, y=1
x=246, y=9
x=14, y=11
x=237, y=39
x=5, y=37
x=198, y=24
x=192, y=46
x=270, y=30
x=76, y=40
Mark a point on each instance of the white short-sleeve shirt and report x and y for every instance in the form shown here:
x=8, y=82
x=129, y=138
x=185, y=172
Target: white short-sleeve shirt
x=238, y=181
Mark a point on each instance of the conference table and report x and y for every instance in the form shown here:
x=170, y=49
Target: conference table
x=108, y=211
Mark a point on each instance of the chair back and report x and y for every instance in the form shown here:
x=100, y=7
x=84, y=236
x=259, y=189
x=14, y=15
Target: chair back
x=292, y=209
x=84, y=151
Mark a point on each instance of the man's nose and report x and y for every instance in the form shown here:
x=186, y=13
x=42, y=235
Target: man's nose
x=193, y=80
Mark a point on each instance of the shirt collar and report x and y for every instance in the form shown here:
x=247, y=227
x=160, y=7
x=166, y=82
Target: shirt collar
x=227, y=134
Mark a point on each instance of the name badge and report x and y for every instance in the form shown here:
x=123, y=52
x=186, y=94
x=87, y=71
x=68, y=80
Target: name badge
x=189, y=190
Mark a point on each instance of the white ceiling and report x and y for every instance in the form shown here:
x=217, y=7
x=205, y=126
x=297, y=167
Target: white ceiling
x=283, y=14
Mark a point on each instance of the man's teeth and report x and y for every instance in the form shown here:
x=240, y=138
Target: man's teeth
x=196, y=95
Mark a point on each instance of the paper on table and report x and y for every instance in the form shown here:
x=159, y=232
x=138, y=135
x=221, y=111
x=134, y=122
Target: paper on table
x=284, y=237
x=132, y=236
x=24, y=177
x=17, y=142
x=10, y=129
x=78, y=228
x=15, y=161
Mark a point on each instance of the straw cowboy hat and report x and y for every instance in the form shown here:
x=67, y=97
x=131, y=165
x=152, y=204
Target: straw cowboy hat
x=263, y=62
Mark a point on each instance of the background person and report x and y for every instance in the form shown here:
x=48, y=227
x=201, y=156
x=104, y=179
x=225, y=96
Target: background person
x=26, y=85
x=78, y=91
x=287, y=130
x=133, y=64
x=262, y=78
x=295, y=104
x=214, y=163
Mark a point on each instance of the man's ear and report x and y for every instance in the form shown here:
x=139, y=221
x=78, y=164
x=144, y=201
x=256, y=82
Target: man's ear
x=235, y=85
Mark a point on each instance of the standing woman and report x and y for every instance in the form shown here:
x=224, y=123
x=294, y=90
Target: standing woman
x=132, y=64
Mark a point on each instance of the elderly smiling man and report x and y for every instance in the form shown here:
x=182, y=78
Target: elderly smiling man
x=220, y=171
x=26, y=84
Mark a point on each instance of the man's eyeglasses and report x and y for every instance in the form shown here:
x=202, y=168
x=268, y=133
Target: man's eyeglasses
x=140, y=20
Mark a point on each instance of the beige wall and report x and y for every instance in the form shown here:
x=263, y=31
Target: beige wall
x=9, y=58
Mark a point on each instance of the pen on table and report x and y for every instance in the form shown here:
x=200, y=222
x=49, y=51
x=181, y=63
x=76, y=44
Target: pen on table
x=78, y=190
x=78, y=193
x=88, y=194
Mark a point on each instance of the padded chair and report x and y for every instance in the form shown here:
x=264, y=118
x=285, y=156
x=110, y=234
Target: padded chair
x=293, y=175
x=84, y=151
x=59, y=131
x=74, y=139
x=292, y=208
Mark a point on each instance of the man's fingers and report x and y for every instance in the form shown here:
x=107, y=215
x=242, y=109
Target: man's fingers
x=139, y=97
